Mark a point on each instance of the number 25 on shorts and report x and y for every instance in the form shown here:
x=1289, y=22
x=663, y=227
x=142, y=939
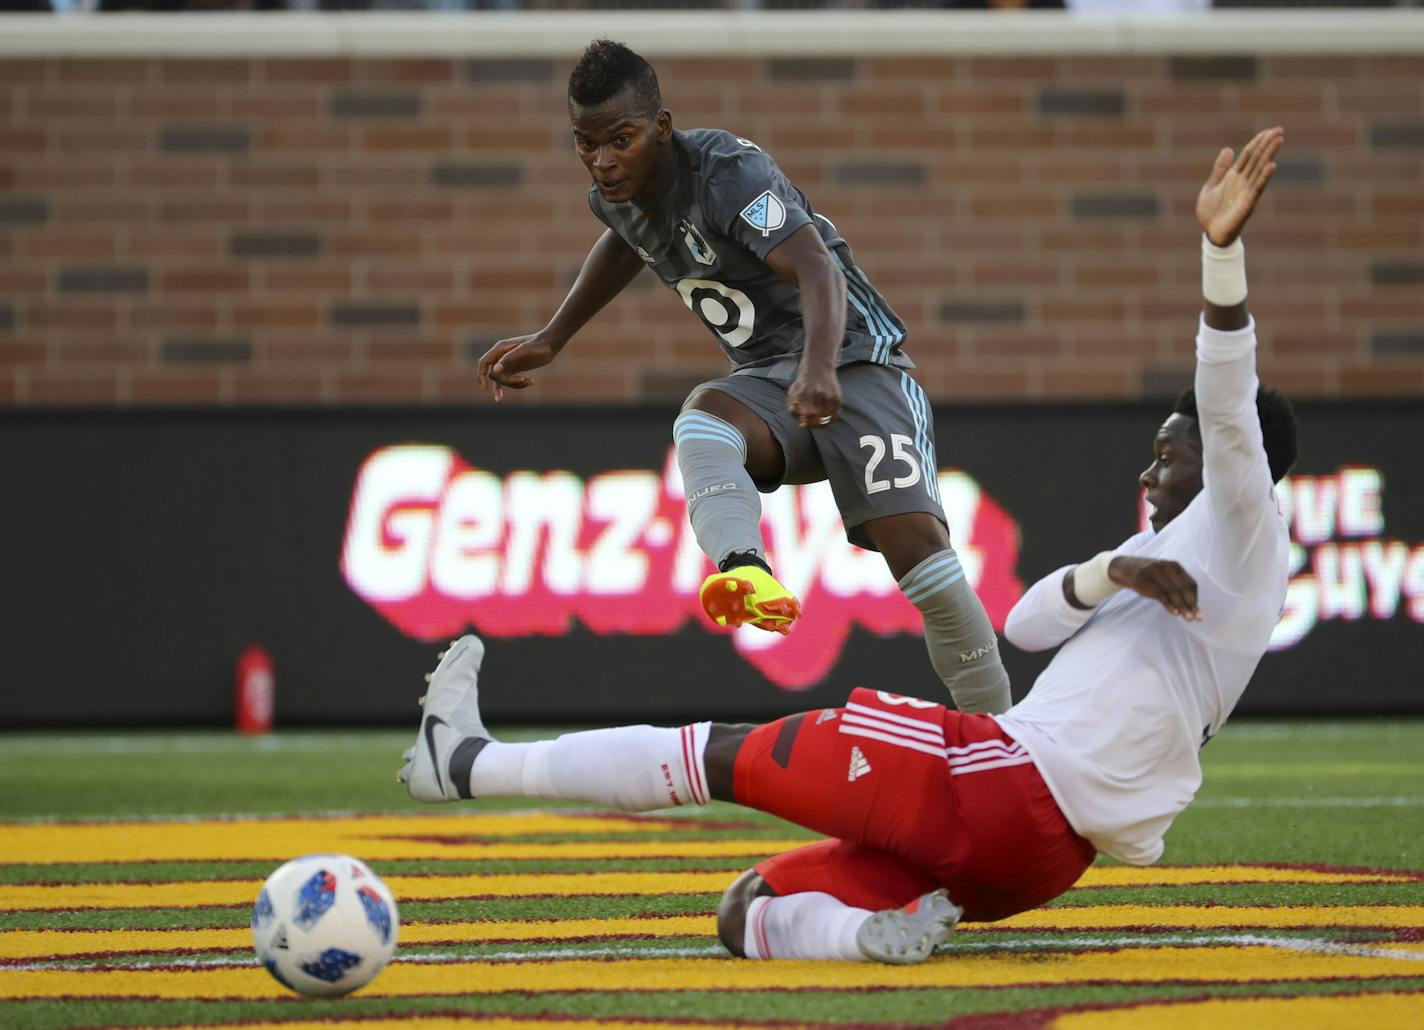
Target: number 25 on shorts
x=901, y=450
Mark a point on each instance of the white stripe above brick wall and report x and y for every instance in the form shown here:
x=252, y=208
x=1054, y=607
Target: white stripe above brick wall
x=562, y=34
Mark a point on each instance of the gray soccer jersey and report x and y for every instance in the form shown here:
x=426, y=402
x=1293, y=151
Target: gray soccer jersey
x=707, y=235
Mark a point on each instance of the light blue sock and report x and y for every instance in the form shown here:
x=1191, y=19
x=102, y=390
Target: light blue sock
x=963, y=647
x=722, y=501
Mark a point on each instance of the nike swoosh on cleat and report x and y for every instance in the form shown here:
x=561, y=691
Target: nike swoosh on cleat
x=430, y=721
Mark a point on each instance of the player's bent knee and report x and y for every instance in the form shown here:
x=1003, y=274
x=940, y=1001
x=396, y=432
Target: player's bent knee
x=765, y=462
x=719, y=759
x=732, y=911
x=908, y=539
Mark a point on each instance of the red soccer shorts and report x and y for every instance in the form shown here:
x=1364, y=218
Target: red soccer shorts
x=918, y=796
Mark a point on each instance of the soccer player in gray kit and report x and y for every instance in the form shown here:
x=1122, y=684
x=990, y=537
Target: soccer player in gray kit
x=819, y=388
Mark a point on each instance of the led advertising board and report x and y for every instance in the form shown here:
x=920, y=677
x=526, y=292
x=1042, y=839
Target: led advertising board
x=148, y=549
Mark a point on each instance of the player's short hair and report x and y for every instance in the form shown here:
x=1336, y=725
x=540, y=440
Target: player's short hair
x=1278, y=426
x=607, y=67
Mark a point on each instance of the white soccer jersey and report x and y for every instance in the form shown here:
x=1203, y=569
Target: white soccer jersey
x=1115, y=722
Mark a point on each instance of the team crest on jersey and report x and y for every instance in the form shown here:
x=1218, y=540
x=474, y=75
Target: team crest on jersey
x=765, y=213
x=696, y=243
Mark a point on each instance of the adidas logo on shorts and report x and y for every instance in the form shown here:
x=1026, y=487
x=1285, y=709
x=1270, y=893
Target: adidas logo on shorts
x=858, y=765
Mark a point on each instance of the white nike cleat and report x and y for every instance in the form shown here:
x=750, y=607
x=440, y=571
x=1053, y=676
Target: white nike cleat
x=904, y=936
x=451, y=730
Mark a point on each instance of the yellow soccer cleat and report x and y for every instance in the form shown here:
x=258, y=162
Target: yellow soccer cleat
x=749, y=594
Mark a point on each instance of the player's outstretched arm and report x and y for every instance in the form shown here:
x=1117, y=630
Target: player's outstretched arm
x=610, y=266
x=1236, y=473
x=803, y=260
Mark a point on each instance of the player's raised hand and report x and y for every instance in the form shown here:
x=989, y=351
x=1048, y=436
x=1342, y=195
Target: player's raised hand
x=504, y=364
x=1231, y=191
x=815, y=398
x=1162, y=581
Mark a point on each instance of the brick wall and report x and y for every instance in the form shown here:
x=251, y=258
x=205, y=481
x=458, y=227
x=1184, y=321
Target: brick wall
x=357, y=231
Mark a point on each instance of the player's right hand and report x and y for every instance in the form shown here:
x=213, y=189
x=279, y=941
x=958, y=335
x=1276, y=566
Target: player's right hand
x=1235, y=184
x=1163, y=581
x=815, y=398
x=505, y=363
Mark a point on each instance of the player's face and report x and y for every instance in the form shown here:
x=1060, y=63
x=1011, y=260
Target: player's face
x=1175, y=475
x=622, y=146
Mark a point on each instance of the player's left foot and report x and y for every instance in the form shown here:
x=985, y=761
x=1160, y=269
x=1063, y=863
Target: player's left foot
x=451, y=730
x=904, y=936
x=748, y=594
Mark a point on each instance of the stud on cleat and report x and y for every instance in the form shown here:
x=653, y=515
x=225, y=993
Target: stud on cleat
x=748, y=594
x=905, y=936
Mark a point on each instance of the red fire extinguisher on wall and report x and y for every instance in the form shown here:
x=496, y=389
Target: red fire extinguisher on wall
x=255, y=690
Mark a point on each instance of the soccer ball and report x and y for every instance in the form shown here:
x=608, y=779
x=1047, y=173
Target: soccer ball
x=324, y=924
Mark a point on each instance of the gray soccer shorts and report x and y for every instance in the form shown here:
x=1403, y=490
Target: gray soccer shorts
x=879, y=453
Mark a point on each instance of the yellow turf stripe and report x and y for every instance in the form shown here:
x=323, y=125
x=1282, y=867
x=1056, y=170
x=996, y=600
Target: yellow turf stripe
x=1107, y=917
x=1377, y=1011
x=33, y=944
x=41, y=944
x=1142, y=965
x=406, y=888
x=450, y=1022
x=192, y=894
x=1171, y=876
x=373, y=838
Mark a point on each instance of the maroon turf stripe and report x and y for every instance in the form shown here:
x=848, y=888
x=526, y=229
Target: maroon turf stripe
x=1034, y=1019
x=464, y=1015
x=583, y=992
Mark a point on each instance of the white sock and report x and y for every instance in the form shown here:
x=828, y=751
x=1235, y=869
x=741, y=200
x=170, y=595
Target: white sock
x=635, y=768
x=809, y=925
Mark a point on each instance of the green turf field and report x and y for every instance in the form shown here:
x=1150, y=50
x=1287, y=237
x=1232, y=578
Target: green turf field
x=1291, y=894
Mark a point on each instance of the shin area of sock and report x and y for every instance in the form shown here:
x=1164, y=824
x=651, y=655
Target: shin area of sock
x=633, y=768
x=809, y=925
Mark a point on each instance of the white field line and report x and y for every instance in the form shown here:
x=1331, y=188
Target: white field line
x=1335, y=948
x=713, y=950
x=430, y=957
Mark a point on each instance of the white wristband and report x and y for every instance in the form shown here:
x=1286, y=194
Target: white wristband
x=1091, y=585
x=1223, y=272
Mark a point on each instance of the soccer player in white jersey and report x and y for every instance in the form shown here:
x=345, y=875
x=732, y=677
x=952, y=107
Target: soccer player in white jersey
x=819, y=386
x=935, y=815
